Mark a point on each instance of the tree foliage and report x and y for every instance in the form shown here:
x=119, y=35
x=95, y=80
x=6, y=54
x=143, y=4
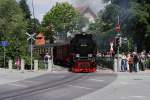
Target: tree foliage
x=63, y=17
x=134, y=20
x=12, y=28
x=33, y=24
x=25, y=9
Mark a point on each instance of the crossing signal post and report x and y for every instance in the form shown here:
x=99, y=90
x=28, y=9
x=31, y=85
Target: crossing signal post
x=117, y=46
x=31, y=37
x=118, y=40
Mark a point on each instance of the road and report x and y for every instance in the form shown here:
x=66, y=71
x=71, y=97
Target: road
x=127, y=86
x=56, y=86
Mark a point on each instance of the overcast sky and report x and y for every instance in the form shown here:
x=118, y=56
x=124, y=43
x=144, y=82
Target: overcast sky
x=41, y=7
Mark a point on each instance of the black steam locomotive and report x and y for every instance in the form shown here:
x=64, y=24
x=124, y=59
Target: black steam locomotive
x=79, y=54
x=83, y=51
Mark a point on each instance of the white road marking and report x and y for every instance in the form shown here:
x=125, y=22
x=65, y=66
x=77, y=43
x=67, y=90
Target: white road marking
x=133, y=97
x=124, y=83
x=96, y=80
x=18, y=85
x=81, y=87
x=127, y=83
x=29, y=81
x=137, y=96
x=146, y=76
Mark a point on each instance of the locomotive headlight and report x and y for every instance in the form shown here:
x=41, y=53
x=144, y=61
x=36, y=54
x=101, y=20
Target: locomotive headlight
x=90, y=55
x=77, y=55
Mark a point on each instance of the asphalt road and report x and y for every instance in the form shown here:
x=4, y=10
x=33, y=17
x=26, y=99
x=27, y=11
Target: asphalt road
x=127, y=86
x=56, y=86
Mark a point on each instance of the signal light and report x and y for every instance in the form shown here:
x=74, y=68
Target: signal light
x=117, y=42
x=117, y=28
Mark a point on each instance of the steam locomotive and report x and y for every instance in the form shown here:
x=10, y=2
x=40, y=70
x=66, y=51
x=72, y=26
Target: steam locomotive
x=79, y=54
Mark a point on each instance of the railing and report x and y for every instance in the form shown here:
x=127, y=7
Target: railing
x=104, y=63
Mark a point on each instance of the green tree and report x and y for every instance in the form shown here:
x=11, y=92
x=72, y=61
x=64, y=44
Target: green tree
x=25, y=9
x=32, y=23
x=63, y=17
x=141, y=35
x=104, y=28
x=13, y=26
x=134, y=20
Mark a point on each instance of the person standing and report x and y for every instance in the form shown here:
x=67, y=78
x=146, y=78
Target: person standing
x=142, y=61
x=148, y=57
x=18, y=63
x=135, y=62
x=123, y=63
x=130, y=62
x=47, y=57
x=128, y=56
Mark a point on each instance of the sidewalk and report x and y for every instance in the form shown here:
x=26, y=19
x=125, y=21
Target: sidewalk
x=7, y=76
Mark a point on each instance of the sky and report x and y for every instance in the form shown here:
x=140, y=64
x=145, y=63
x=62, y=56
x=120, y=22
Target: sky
x=41, y=7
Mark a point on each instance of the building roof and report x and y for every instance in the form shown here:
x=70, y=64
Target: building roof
x=86, y=9
x=94, y=5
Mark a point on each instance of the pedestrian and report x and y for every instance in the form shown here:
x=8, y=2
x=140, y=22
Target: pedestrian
x=47, y=57
x=18, y=63
x=130, y=62
x=135, y=62
x=148, y=57
x=142, y=61
x=123, y=63
x=128, y=56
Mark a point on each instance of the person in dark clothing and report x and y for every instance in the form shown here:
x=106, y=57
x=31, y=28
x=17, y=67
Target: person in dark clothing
x=130, y=62
x=135, y=62
x=47, y=57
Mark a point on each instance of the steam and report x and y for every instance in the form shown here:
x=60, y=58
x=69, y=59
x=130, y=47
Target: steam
x=95, y=5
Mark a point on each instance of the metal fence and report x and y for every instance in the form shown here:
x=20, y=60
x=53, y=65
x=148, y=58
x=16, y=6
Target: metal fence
x=104, y=63
x=42, y=66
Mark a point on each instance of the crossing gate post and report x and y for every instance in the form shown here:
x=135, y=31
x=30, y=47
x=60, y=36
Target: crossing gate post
x=10, y=65
x=115, y=65
x=35, y=65
x=22, y=65
x=50, y=64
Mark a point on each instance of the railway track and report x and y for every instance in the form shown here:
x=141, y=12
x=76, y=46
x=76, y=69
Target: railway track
x=11, y=95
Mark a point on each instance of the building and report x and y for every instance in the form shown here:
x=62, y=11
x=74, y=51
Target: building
x=87, y=13
x=40, y=39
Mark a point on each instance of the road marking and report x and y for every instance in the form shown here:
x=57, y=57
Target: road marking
x=146, y=76
x=29, y=81
x=127, y=83
x=96, y=80
x=124, y=83
x=18, y=85
x=137, y=96
x=133, y=97
x=81, y=87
